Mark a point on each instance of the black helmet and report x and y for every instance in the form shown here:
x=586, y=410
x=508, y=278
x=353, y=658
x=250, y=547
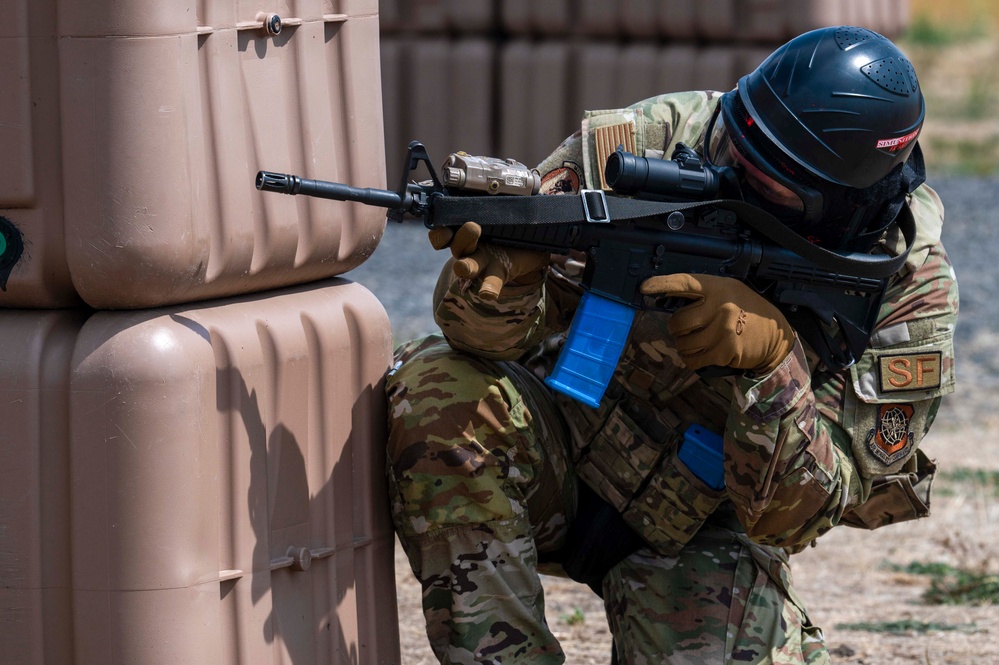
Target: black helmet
x=833, y=115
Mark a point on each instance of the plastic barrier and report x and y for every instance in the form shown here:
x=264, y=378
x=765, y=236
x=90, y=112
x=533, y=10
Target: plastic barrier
x=137, y=128
x=758, y=21
x=197, y=484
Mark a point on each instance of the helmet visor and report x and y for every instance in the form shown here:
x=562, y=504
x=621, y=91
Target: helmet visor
x=747, y=147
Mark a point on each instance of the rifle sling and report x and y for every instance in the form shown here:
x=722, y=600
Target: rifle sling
x=592, y=207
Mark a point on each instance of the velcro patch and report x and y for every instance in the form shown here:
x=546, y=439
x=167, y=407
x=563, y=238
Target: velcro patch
x=891, y=437
x=606, y=141
x=562, y=180
x=911, y=371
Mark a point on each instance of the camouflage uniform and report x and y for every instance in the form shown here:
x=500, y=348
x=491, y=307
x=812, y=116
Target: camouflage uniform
x=484, y=459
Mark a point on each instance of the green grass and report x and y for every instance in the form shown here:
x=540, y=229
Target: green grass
x=923, y=31
x=982, y=100
x=988, y=480
x=966, y=157
x=954, y=586
x=577, y=617
x=962, y=96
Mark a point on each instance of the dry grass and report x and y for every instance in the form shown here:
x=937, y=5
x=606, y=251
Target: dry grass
x=958, y=67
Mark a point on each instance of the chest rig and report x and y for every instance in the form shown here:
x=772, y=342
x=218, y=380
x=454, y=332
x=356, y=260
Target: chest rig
x=625, y=450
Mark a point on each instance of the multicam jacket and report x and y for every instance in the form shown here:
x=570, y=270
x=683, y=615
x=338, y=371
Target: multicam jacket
x=805, y=448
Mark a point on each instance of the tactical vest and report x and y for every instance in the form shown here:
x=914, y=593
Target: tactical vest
x=626, y=449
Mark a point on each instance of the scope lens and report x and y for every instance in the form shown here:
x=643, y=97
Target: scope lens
x=612, y=172
x=624, y=172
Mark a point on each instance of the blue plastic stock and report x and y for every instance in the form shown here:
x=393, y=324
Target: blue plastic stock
x=596, y=340
x=702, y=453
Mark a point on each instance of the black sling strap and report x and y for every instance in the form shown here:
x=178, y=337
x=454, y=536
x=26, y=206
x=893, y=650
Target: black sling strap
x=594, y=207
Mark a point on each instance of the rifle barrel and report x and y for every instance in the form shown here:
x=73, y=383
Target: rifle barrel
x=284, y=183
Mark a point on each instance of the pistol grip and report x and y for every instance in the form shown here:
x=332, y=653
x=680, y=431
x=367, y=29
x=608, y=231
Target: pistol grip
x=596, y=340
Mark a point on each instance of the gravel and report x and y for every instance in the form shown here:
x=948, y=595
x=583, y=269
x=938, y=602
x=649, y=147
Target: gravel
x=404, y=268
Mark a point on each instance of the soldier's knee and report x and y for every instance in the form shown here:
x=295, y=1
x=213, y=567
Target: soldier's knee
x=459, y=448
x=437, y=391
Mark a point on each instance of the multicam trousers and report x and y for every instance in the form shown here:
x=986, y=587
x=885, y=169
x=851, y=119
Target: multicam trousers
x=481, y=483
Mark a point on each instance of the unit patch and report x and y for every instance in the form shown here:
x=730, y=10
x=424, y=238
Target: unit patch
x=891, y=437
x=563, y=180
x=914, y=371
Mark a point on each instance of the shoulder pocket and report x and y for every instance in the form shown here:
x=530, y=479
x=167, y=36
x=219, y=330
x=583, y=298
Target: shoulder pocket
x=604, y=131
x=911, y=370
x=898, y=388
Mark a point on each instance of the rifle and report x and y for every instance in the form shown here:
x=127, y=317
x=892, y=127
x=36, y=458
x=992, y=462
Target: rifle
x=666, y=218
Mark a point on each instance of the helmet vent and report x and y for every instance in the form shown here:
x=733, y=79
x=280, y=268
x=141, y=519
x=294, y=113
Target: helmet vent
x=913, y=81
x=894, y=75
x=848, y=37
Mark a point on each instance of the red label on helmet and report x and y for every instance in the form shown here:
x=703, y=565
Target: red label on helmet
x=899, y=143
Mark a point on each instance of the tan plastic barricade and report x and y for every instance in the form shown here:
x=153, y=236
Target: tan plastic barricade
x=595, y=78
x=754, y=21
x=535, y=99
x=763, y=21
x=564, y=78
x=811, y=14
x=394, y=51
x=148, y=121
x=548, y=18
x=36, y=610
x=473, y=89
x=471, y=16
x=677, y=68
x=678, y=18
x=390, y=15
x=598, y=18
x=199, y=484
x=442, y=93
x=31, y=186
x=428, y=86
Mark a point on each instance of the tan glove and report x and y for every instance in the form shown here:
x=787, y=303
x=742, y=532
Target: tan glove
x=727, y=324
x=496, y=265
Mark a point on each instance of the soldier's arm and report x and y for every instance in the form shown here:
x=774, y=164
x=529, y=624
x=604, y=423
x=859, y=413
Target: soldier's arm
x=803, y=451
x=522, y=316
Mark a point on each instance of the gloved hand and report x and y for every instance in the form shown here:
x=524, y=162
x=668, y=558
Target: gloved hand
x=496, y=265
x=727, y=324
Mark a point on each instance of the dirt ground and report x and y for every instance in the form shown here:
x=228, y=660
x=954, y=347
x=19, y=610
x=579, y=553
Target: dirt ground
x=845, y=580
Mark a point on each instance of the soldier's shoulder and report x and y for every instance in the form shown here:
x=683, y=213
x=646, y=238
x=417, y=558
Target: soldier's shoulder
x=677, y=102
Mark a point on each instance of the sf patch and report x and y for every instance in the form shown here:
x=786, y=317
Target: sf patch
x=913, y=371
x=563, y=180
x=891, y=437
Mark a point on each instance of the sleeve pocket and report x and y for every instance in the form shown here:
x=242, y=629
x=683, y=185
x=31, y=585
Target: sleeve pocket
x=898, y=389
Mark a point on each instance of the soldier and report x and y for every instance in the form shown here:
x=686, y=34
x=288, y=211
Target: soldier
x=494, y=477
